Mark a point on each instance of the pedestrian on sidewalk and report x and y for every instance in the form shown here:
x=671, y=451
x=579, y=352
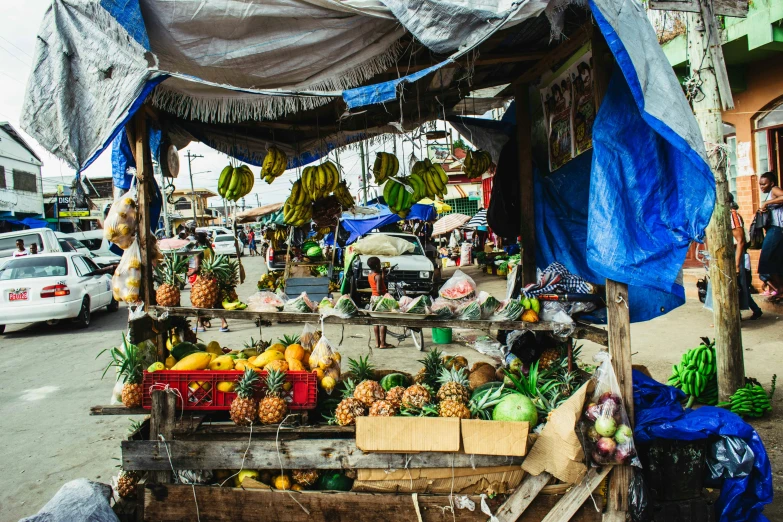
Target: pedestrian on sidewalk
x=742, y=262
x=377, y=281
x=771, y=259
x=251, y=239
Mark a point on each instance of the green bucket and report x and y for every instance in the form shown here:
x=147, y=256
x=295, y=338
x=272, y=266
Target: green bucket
x=441, y=335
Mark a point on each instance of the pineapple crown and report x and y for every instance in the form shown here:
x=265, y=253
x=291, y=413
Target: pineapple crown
x=432, y=366
x=428, y=410
x=214, y=267
x=128, y=362
x=230, y=277
x=288, y=340
x=274, y=382
x=482, y=404
x=454, y=375
x=363, y=369
x=246, y=384
x=350, y=386
x=171, y=271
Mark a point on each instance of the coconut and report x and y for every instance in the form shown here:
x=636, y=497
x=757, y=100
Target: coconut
x=481, y=375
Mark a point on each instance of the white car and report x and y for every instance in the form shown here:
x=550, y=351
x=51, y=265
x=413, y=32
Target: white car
x=224, y=244
x=50, y=287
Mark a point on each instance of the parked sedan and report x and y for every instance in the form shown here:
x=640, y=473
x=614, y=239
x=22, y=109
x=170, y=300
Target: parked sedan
x=226, y=245
x=50, y=287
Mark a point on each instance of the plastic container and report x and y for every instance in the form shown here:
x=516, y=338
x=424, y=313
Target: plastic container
x=199, y=388
x=441, y=335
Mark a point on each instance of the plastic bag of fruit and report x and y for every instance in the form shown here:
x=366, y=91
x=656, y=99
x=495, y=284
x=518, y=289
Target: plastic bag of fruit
x=119, y=227
x=443, y=308
x=265, y=302
x=301, y=304
x=325, y=362
x=344, y=308
x=384, y=303
x=459, y=286
x=605, y=424
x=126, y=280
x=309, y=336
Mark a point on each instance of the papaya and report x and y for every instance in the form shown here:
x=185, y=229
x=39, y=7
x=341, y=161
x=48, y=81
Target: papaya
x=226, y=386
x=277, y=347
x=267, y=357
x=224, y=362
x=295, y=351
x=278, y=364
x=530, y=316
x=183, y=349
x=194, y=361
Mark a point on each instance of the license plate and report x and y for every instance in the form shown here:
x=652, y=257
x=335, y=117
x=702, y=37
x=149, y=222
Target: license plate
x=18, y=295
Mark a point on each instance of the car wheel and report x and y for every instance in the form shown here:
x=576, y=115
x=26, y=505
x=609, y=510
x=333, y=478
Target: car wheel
x=113, y=306
x=83, y=319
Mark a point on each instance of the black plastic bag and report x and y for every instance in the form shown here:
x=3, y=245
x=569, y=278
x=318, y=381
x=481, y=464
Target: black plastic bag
x=638, y=497
x=503, y=215
x=730, y=457
x=756, y=232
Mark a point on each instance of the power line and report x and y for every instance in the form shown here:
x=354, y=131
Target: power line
x=12, y=43
x=15, y=56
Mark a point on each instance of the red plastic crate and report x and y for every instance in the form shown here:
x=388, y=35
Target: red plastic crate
x=199, y=388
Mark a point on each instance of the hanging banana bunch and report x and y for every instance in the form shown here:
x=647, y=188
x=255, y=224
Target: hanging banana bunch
x=398, y=197
x=476, y=163
x=298, y=208
x=432, y=176
x=235, y=182
x=344, y=196
x=386, y=165
x=318, y=182
x=274, y=164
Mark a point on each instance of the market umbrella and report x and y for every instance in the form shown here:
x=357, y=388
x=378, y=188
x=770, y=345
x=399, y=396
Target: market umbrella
x=440, y=207
x=479, y=220
x=448, y=223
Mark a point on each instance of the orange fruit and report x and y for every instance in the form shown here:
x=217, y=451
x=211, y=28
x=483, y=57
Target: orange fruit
x=295, y=351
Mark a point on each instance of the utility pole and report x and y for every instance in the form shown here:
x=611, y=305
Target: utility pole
x=191, y=157
x=364, y=170
x=708, y=70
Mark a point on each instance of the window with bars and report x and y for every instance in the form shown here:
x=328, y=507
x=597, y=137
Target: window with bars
x=2, y=178
x=25, y=181
x=462, y=206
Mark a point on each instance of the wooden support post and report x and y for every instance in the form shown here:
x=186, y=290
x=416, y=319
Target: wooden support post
x=145, y=177
x=522, y=497
x=723, y=273
x=527, y=211
x=576, y=496
x=162, y=420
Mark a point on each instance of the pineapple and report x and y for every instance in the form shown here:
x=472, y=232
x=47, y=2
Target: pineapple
x=205, y=290
x=272, y=409
x=449, y=408
x=305, y=477
x=349, y=408
x=416, y=396
x=368, y=392
x=127, y=483
x=171, y=272
x=394, y=396
x=454, y=386
x=382, y=408
x=433, y=363
x=548, y=358
x=244, y=408
x=129, y=369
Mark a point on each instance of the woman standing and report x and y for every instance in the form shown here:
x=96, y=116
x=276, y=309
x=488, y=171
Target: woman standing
x=771, y=259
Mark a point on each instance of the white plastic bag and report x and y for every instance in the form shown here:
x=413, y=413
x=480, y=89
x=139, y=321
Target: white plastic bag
x=459, y=286
x=126, y=280
x=119, y=227
x=265, y=302
x=323, y=359
x=382, y=245
x=309, y=337
x=608, y=433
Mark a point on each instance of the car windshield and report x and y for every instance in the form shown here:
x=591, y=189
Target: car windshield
x=65, y=246
x=8, y=244
x=93, y=243
x=416, y=246
x=75, y=243
x=224, y=238
x=33, y=267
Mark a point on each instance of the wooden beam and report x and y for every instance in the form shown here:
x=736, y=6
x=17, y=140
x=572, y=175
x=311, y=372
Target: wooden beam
x=573, y=499
x=294, y=454
x=491, y=59
x=735, y=8
x=164, y=406
x=582, y=331
x=172, y=503
x=116, y=409
x=712, y=40
x=527, y=221
x=145, y=177
x=522, y=497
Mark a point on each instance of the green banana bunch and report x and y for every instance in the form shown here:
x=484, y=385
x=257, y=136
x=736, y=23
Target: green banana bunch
x=398, y=196
x=696, y=375
x=344, y=196
x=749, y=401
x=274, y=164
x=433, y=176
x=235, y=183
x=386, y=165
x=476, y=163
x=298, y=208
x=320, y=181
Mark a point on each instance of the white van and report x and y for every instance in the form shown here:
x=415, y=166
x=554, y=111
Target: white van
x=98, y=247
x=45, y=238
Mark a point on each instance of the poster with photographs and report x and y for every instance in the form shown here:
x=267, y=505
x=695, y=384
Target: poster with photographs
x=569, y=112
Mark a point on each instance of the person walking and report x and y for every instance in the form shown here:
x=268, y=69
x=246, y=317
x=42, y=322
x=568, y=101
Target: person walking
x=771, y=258
x=742, y=262
x=377, y=281
x=243, y=239
x=251, y=240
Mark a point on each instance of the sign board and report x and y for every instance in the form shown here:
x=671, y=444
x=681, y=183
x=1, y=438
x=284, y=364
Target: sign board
x=735, y=8
x=80, y=208
x=438, y=152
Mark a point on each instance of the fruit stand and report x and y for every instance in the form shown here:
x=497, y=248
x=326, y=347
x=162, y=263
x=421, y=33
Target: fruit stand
x=177, y=446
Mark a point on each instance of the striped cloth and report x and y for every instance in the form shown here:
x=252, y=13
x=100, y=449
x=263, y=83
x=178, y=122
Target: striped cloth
x=556, y=279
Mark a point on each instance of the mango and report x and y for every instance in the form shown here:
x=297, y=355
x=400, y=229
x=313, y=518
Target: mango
x=194, y=361
x=214, y=347
x=223, y=362
x=267, y=357
x=226, y=386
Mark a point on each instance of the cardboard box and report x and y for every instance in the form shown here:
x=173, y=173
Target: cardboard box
x=407, y=434
x=483, y=437
x=464, y=481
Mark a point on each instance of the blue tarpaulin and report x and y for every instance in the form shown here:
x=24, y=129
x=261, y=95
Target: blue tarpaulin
x=358, y=225
x=659, y=415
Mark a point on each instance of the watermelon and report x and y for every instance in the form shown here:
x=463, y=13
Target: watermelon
x=313, y=251
x=184, y=349
x=516, y=407
x=301, y=305
x=459, y=286
x=334, y=481
x=510, y=310
x=385, y=303
x=346, y=306
x=469, y=311
x=325, y=303
x=392, y=380
x=418, y=306
x=442, y=308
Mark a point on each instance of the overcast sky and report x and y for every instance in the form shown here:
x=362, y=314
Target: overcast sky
x=19, y=22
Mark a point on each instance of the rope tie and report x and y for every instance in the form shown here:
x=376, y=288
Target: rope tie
x=161, y=386
x=192, y=486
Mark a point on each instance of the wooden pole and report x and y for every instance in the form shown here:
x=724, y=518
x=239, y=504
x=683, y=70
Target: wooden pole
x=145, y=177
x=723, y=274
x=617, y=312
x=527, y=211
x=162, y=415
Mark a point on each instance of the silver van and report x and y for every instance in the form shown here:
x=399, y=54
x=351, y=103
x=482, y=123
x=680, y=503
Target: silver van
x=45, y=238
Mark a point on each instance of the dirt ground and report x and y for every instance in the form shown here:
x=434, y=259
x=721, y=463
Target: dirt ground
x=49, y=377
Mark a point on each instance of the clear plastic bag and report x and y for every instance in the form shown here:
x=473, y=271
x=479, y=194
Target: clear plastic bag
x=309, y=337
x=126, y=280
x=488, y=304
x=443, y=308
x=555, y=312
x=489, y=346
x=469, y=310
x=119, y=227
x=265, y=302
x=405, y=302
x=384, y=303
x=301, y=304
x=459, y=286
x=608, y=433
x=325, y=361
x=344, y=308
